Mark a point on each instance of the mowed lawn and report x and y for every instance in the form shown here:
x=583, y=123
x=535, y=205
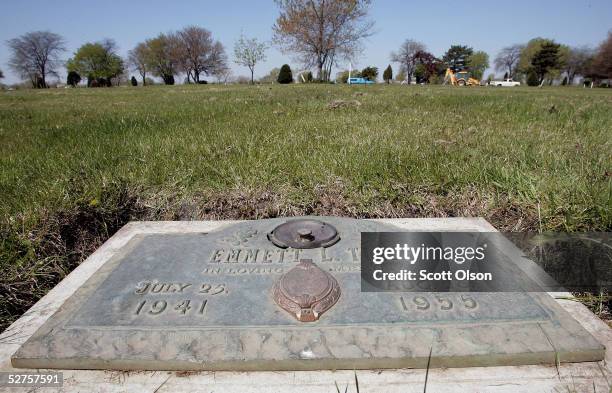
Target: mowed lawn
x=439, y=150
x=76, y=164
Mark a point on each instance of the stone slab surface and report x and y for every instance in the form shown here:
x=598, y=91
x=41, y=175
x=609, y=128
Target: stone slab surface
x=200, y=301
x=576, y=376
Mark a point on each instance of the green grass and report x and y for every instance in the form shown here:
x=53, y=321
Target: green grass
x=75, y=164
x=402, y=145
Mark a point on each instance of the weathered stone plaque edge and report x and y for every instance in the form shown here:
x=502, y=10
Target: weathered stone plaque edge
x=528, y=378
x=563, y=352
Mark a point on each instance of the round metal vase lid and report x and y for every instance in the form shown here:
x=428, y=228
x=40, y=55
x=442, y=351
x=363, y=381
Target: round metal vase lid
x=304, y=233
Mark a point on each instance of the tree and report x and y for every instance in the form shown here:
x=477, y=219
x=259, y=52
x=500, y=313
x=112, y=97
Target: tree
x=161, y=57
x=427, y=66
x=576, y=62
x=370, y=73
x=401, y=76
x=1, y=74
x=133, y=81
x=249, y=52
x=137, y=60
x=320, y=32
x=197, y=52
x=73, y=78
x=272, y=76
x=546, y=59
x=407, y=57
x=507, y=59
x=601, y=67
x=223, y=75
x=532, y=78
x=479, y=62
x=457, y=57
x=98, y=61
x=528, y=52
x=388, y=74
x=35, y=56
x=285, y=76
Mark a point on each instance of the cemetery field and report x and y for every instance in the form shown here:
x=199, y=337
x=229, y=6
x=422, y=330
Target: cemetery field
x=77, y=164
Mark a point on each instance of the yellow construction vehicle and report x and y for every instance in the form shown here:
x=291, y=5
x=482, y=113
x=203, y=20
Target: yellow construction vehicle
x=461, y=78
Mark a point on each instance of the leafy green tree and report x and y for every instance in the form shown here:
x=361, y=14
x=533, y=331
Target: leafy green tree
x=73, y=78
x=457, y=57
x=420, y=73
x=370, y=73
x=285, y=76
x=133, y=81
x=545, y=60
x=479, y=62
x=161, y=57
x=532, y=78
x=388, y=74
x=1, y=74
x=527, y=52
x=99, y=61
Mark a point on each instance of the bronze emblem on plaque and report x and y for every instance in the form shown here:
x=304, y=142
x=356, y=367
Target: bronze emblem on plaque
x=306, y=291
x=304, y=233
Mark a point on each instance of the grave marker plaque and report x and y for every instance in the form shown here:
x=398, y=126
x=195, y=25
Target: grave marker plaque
x=259, y=295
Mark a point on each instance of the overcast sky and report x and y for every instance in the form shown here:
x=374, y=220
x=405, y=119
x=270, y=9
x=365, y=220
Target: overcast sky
x=483, y=25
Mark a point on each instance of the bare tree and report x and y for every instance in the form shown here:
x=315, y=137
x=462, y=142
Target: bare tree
x=249, y=52
x=223, y=75
x=407, y=57
x=198, y=53
x=137, y=59
x=36, y=56
x=508, y=58
x=576, y=62
x=322, y=31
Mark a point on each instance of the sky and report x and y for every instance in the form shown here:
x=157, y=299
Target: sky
x=482, y=24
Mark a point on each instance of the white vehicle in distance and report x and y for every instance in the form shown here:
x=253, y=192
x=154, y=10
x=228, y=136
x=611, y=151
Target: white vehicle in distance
x=505, y=83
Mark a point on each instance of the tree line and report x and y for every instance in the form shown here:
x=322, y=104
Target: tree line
x=539, y=61
x=192, y=52
x=319, y=34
